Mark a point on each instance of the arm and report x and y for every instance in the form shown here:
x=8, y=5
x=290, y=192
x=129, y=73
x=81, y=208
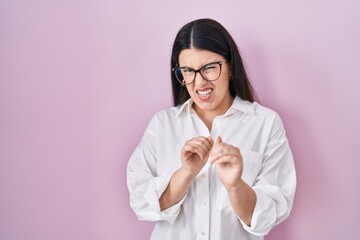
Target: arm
x=194, y=156
x=243, y=200
x=145, y=185
x=177, y=189
x=274, y=186
x=156, y=197
x=229, y=165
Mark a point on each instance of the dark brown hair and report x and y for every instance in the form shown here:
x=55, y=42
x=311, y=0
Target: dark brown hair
x=210, y=35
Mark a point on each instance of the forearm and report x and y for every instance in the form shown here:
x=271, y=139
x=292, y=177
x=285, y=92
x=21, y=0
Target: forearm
x=177, y=188
x=243, y=200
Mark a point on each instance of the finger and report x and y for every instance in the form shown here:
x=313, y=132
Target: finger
x=203, y=142
x=208, y=143
x=219, y=140
x=211, y=141
x=199, y=150
x=218, y=144
x=200, y=146
x=219, y=149
x=222, y=150
x=187, y=151
x=227, y=158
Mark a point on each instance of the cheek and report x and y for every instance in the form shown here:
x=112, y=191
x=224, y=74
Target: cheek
x=223, y=86
x=190, y=89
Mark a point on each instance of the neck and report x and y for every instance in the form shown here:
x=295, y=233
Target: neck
x=207, y=116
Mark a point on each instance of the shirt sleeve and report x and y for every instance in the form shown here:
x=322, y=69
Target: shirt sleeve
x=275, y=185
x=145, y=187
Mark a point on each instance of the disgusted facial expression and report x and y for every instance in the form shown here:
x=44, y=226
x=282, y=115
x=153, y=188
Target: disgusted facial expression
x=210, y=97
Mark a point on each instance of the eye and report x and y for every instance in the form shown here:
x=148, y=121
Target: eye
x=187, y=70
x=208, y=67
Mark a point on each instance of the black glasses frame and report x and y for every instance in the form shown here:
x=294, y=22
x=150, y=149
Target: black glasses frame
x=182, y=81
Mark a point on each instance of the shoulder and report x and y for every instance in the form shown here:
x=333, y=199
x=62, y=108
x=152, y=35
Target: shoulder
x=267, y=114
x=175, y=112
x=271, y=119
x=164, y=115
x=170, y=112
x=254, y=109
x=264, y=111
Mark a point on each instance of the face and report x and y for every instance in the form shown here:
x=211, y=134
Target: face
x=213, y=97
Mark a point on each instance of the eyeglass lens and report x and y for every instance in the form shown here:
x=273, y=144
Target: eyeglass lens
x=209, y=72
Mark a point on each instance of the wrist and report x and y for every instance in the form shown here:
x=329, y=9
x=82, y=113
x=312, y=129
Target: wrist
x=187, y=174
x=238, y=187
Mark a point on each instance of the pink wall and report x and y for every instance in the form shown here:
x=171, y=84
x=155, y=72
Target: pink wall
x=79, y=81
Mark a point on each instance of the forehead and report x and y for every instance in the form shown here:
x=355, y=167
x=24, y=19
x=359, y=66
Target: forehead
x=196, y=58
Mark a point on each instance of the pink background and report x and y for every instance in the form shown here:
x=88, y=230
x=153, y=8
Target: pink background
x=79, y=81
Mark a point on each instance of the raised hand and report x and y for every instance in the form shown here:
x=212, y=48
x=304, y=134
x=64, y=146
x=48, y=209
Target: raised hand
x=229, y=163
x=195, y=153
x=194, y=156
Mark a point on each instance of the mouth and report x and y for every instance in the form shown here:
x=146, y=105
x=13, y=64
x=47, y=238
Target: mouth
x=204, y=93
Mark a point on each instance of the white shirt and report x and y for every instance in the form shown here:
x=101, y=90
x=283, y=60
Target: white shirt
x=205, y=211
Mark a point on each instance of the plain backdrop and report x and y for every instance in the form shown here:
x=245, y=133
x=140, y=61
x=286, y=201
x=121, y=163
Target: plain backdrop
x=80, y=79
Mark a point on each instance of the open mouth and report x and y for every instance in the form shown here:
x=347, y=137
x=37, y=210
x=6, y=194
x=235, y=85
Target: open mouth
x=204, y=93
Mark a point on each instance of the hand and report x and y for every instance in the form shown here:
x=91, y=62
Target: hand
x=229, y=163
x=195, y=153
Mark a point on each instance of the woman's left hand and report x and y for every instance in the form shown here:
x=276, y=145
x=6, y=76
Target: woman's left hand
x=229, y=163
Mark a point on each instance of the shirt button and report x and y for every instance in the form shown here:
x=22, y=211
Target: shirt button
x=202, y=233
x=203, y=204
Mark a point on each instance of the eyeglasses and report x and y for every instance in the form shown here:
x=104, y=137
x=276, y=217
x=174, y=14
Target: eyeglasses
x=209, y=72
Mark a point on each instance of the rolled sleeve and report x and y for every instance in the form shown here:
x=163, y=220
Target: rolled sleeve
x=145, y=192
x=145, y=185
x=275, y=185
x=265, y=215
x=156, y=188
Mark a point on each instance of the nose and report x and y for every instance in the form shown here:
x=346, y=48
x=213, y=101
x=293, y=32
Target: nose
x=199, y=80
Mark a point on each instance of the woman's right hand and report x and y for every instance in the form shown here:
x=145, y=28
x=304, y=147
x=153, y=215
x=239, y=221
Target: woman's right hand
x=195, y=153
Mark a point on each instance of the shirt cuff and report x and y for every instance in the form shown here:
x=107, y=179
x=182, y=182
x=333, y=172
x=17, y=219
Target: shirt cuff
x=264, y=215
x=156, y=188
x=170, y=214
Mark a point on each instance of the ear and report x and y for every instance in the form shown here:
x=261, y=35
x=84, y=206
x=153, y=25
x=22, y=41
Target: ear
x=230, y=72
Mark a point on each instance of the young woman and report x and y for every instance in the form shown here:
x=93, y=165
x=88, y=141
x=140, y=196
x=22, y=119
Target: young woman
x=217, y=165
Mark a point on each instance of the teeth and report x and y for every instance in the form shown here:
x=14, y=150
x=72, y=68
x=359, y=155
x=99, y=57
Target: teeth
x=204, y=93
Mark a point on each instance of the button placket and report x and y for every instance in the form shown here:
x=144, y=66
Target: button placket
x=202, y=197
x=216, y=127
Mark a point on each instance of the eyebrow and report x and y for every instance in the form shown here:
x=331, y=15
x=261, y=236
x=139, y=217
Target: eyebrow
x=202, y=65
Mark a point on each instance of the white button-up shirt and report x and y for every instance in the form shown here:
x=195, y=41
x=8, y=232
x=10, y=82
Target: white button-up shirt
x=205, y=211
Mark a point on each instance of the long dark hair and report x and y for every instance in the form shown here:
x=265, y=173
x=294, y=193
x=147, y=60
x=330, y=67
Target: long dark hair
x=210, y=35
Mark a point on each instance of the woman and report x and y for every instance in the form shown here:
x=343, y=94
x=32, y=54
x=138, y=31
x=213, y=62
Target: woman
x=217, y=165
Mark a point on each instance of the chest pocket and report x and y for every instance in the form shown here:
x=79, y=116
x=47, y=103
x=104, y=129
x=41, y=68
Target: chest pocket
x=251, y=165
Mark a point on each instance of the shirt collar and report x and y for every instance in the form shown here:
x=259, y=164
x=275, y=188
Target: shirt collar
x=241, y=105
x=237, y=105
x=184, y=108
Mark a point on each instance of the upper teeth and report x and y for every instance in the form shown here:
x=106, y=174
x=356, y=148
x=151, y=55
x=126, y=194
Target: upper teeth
x=204, y=93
